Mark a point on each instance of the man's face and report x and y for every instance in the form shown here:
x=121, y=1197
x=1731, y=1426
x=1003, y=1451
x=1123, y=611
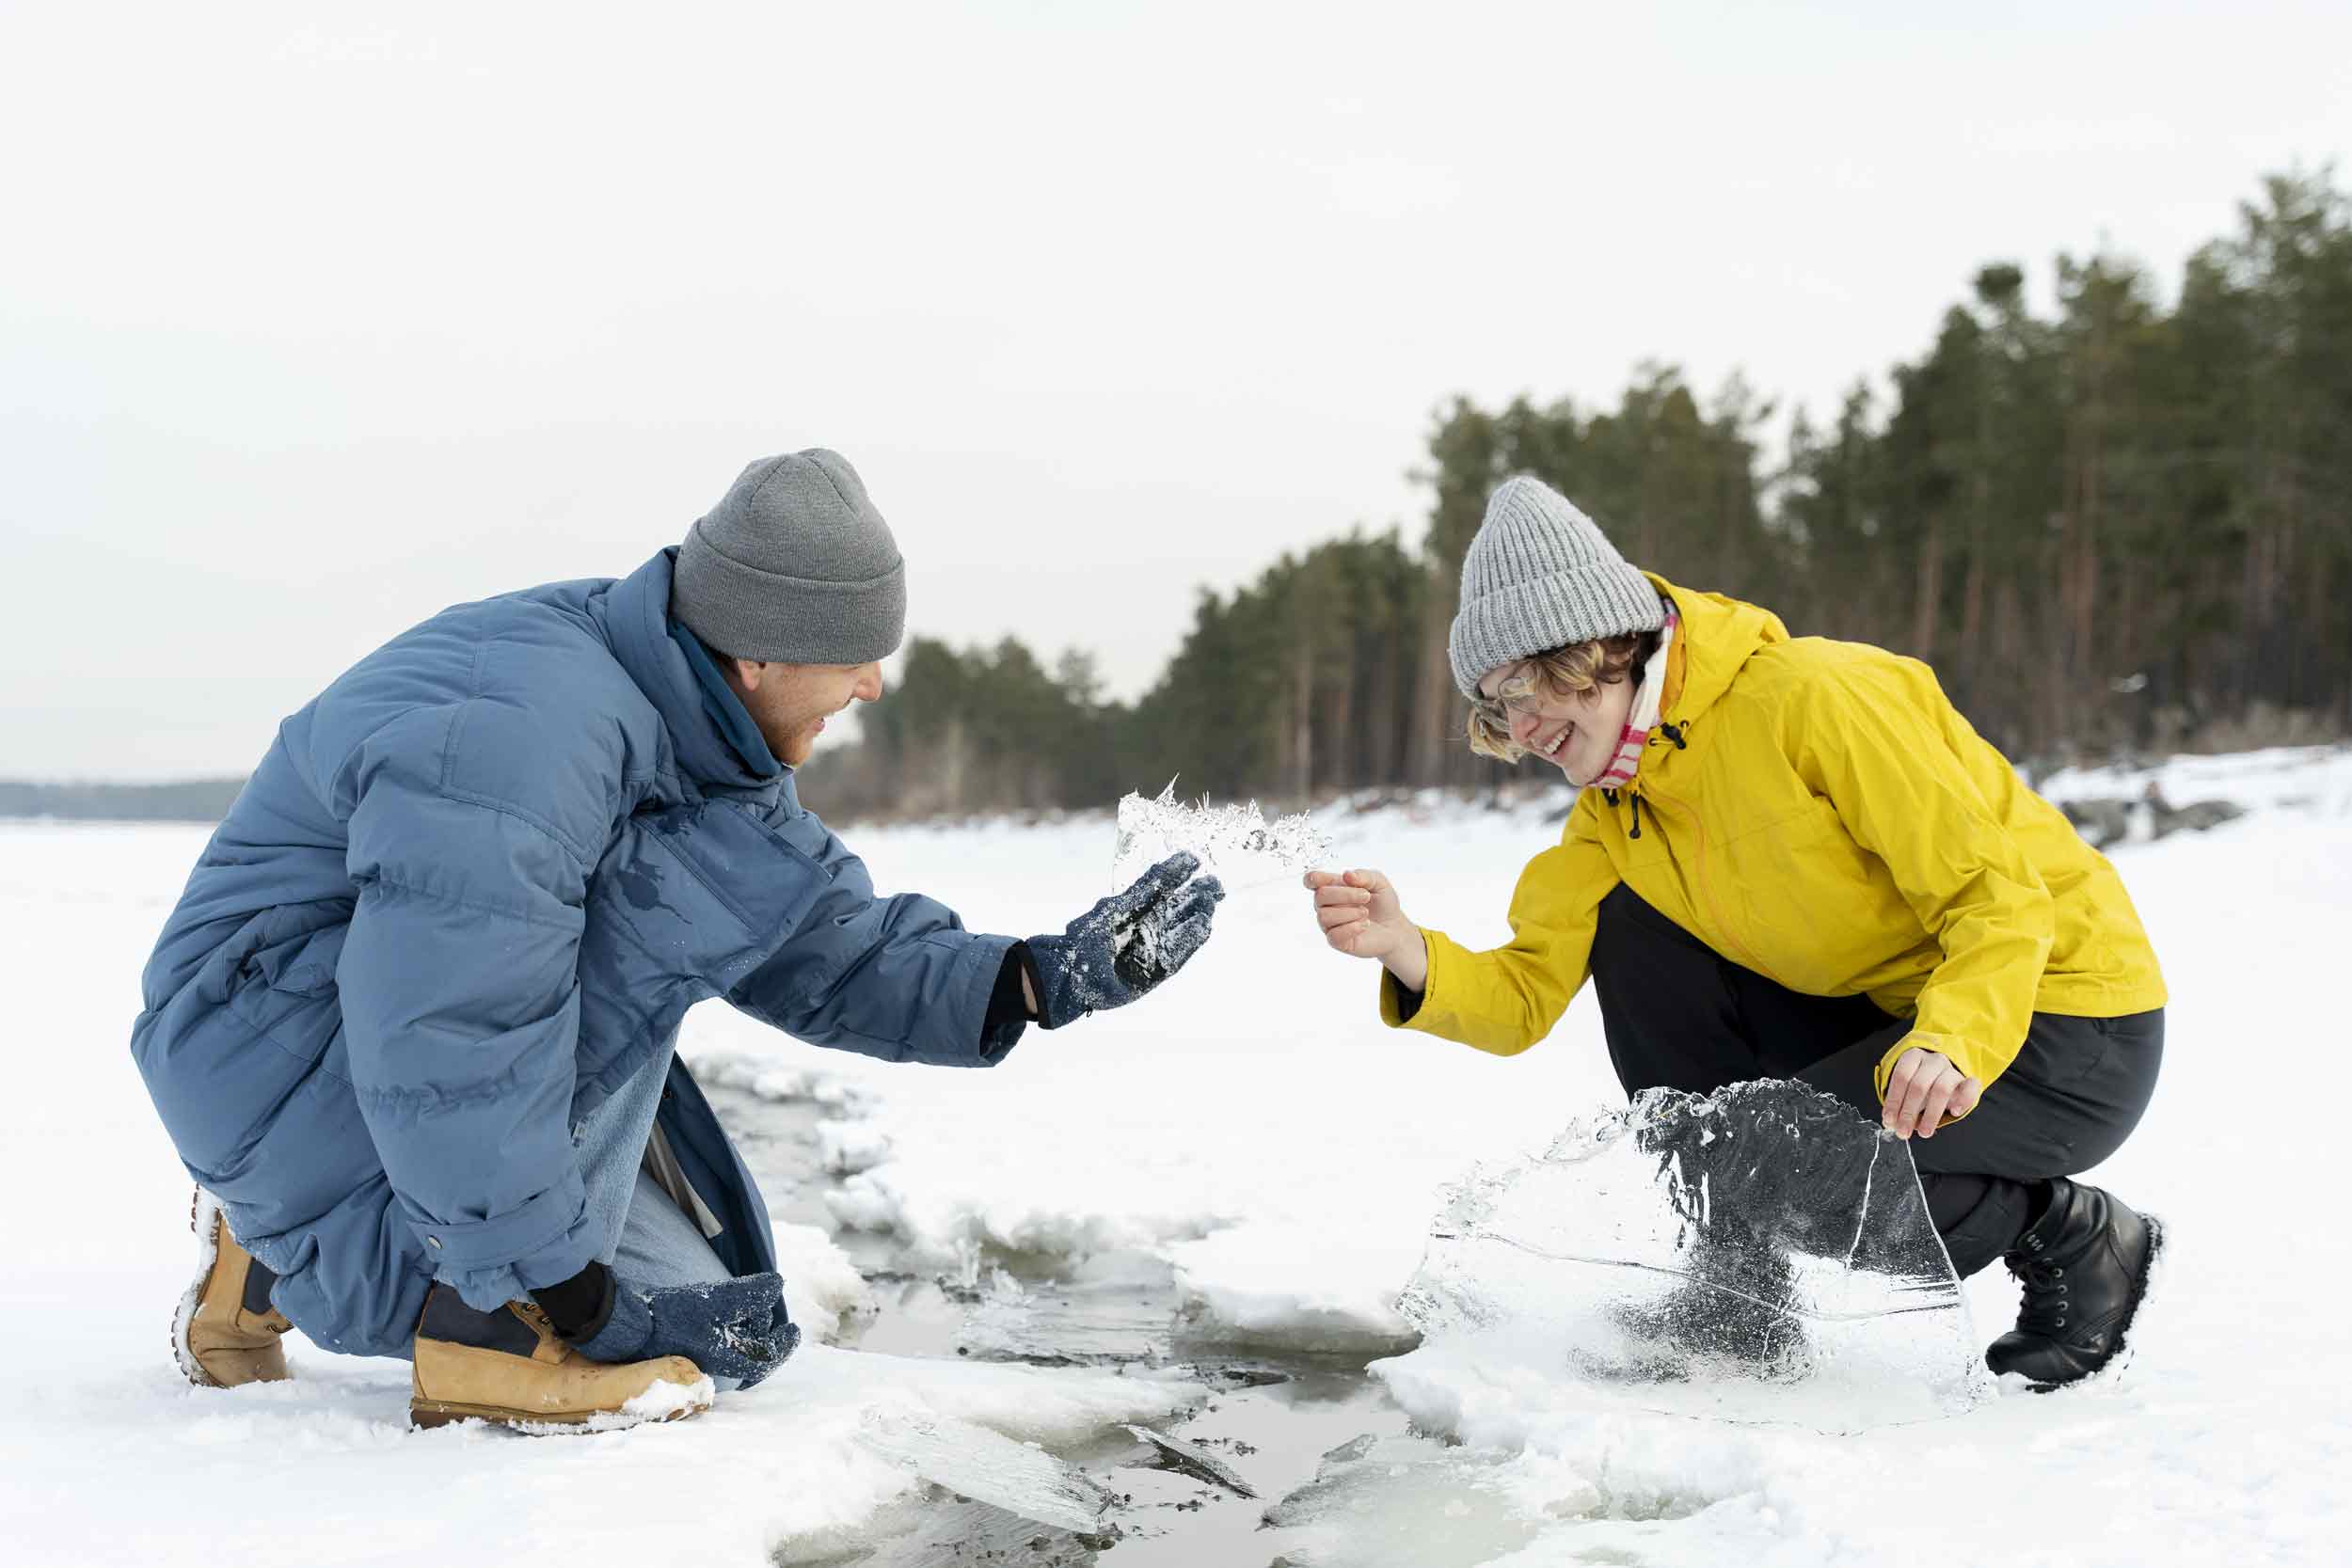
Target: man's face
x=790, y=702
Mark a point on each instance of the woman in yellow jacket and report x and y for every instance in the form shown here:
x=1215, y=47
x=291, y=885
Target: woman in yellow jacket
x=1793, y=858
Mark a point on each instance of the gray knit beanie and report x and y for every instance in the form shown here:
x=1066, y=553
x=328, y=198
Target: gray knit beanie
x=793, y=566
x=1540, y=575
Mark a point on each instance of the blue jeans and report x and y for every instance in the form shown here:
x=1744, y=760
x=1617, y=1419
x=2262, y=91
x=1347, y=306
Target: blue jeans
x=649, y=1240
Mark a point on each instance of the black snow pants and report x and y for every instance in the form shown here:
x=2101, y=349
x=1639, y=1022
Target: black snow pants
x=1680, y=1016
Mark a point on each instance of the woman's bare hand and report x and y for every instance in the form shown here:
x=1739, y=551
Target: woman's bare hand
x=1924, y=1088
x=1361, y=917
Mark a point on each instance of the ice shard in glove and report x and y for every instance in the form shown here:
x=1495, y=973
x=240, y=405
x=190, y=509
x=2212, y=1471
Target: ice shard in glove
x=1762, y=1253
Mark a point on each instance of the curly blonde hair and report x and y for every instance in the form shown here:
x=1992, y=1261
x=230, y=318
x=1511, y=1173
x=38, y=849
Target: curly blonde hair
x=1578, y=666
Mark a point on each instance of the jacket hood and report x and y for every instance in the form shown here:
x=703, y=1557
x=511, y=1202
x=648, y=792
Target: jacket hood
x=1717, y=637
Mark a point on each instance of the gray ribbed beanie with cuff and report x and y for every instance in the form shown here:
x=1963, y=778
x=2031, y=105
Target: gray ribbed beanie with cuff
x=794, y=567
x=1540, y=575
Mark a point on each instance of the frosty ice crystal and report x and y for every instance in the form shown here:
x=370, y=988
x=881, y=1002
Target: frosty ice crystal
x=1234, y=842
x=1759, y=1254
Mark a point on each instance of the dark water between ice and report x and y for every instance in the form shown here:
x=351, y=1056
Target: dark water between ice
x=1269, y=1426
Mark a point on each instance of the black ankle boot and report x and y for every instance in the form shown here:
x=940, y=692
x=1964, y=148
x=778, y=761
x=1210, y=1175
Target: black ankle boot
x=2084, y=1265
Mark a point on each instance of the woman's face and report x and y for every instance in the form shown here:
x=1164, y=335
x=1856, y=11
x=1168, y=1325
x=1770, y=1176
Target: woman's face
x=1577, y=732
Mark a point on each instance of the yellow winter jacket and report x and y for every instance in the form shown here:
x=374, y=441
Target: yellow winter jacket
x=1833, y=823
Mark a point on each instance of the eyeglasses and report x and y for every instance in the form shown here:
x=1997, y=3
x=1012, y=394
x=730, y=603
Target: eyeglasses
x=1518, y=694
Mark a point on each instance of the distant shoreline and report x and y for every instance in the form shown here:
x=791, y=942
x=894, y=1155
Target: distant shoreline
x=187, y=801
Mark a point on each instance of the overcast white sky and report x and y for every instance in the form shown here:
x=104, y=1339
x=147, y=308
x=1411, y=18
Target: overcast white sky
x=315, y=318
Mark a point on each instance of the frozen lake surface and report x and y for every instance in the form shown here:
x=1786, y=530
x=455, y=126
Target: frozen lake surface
x=1198, y=1216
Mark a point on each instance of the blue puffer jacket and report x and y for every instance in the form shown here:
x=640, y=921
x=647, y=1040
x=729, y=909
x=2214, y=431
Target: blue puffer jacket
x=471, y=890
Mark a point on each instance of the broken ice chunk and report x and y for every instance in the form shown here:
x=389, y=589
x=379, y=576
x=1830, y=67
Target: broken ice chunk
x=1761, y=1253
x=1400, y=1502
x=1192, y=1460
x=987, y=1467
x=1236, y=842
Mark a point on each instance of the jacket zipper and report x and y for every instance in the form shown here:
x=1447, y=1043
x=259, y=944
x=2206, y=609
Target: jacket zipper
x=1707, y=888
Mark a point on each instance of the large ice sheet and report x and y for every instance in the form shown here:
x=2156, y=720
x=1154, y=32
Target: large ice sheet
x=1761, y=1253
x=1236, y=843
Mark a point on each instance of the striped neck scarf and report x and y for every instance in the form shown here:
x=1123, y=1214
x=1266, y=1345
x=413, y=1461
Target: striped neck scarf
x=1622, y=767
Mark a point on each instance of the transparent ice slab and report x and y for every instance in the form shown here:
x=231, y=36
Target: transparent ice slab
x=986, y=1467
x=1234, y=842
x=1760, y=1254
x=934, y=1529
x=1400, y=1502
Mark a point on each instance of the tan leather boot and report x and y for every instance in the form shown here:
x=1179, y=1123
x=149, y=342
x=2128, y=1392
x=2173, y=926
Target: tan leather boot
x=226, y=1334
x=511, y=1366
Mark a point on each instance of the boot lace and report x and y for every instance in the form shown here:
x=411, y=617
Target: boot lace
x=532, y=1313
x=2046, y=1310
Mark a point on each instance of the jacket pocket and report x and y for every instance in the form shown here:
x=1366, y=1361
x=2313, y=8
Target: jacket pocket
x=303, y=964
x=285, y=986
x=222, y=1055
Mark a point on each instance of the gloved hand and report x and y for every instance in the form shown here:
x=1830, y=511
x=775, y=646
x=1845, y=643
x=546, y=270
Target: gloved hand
x=729, y=1327
x=1127, y=944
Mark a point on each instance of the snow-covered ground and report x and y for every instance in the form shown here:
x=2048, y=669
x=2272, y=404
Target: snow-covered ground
x=2315, y=780
x=1254, y=1125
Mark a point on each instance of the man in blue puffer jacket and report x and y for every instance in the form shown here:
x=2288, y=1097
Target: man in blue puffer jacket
x=412, y=1025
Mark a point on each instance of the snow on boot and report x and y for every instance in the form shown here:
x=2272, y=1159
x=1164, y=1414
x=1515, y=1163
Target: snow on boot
x=2084, y=1265
x=226, y=1334
x=511, y=1366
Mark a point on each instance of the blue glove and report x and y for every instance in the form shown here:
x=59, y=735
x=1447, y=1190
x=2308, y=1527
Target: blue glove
x=1127, y=944
x=729, y=1327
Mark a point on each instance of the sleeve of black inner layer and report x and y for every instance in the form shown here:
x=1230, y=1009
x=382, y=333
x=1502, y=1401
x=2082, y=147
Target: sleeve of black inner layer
x=578, y=1306
x=1008, y=1013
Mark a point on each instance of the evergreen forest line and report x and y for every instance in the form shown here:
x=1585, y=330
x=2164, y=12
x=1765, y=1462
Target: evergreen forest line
x=2125, y=525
